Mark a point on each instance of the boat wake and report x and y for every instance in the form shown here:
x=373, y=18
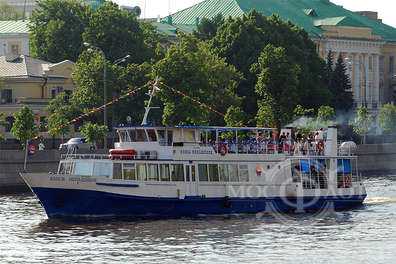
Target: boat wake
x=379, y=200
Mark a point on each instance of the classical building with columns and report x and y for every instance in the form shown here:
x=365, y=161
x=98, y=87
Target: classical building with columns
x=367, y=45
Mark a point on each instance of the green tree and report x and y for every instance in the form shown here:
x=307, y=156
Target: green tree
x=116, y=33
x=2, y=124
x=60, y=112
x=362, y=123
x=328, y=69
x=23, y=128
x=191, y=67
x=340, y=86
x=94, y=132
x=300, y=111
x=207, y=28
x=8, y=12
x=56, y=29
x=277, y=83
x=240, y=40
x=88, y=77
x=387, y=118
x=325, y=114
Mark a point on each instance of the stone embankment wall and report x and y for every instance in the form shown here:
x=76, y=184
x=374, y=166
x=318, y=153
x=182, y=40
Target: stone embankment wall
x=11, y=163
x=373, y=159
x=377, y=158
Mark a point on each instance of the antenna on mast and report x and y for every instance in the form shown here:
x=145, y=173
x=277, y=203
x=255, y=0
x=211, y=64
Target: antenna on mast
x=148, y=107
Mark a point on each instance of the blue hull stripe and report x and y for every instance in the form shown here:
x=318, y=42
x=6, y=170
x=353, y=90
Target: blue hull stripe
x=69, y=202
x=117, y=185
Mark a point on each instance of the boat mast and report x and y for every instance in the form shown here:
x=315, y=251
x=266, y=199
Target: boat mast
x=148, y=107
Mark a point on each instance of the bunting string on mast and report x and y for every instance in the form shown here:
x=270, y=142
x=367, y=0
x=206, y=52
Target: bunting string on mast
x=134, y=92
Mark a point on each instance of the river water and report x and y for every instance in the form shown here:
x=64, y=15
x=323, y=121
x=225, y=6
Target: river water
x=363, y=235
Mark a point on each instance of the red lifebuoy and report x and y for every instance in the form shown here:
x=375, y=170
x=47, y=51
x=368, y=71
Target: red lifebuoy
x=320, y=146
x=223, y=149
x=347, y=180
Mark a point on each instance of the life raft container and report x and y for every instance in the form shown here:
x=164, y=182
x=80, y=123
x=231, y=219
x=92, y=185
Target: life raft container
x=123, y=154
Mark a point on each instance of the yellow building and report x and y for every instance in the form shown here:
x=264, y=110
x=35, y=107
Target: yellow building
x=32, y=82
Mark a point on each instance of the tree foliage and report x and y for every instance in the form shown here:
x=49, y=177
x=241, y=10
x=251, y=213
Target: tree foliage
x=241, y=40
x=191, y=67
x=207, y=28
x=9, y=12
x=23, y=128
x=2, y=124
x=340, y=86
x=362, y=123
x=56, y=29
x=60, y=113
x=94, y=132
x=277, y=83
x=325, y=114
x=387, y=118
x=116, y=33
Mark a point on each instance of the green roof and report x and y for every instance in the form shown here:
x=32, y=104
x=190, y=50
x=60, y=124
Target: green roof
x=308, y=14
x=171, y=30
x=14, y=27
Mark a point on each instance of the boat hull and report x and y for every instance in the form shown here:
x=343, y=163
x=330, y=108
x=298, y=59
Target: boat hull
x=74, y=202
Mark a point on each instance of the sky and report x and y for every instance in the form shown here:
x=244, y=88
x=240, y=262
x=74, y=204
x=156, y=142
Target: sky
x=385, y=8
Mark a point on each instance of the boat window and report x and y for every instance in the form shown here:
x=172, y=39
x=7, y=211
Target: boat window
x=213, y=172
x=170, y=137
x=224, y=172
x=152, y=172
x=132, y=135
x=164, y=172
x=65, y=168
x=233, y=172
x=189, y=135
x=141, y=135
x=193, y=173
x=161, y=137
x=344, y=173
x=177, y=172
x=117, y=172
x=82, y=168
x=123, y=135
x=203, y=172
x=141, y=172
x=151, y=135
x=243, y=173
x=129, y=171
x=187, y=173
x=102, y=169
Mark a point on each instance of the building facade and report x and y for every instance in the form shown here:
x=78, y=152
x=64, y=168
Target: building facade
x=14, y=37
x=367, y=45
x=32, y=82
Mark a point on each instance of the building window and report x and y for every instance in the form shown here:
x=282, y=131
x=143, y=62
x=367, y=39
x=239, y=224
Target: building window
x=6, y=96
x=381, y=64
x=53, y=93
x=391, y=64
x=10, y=120
x=15, y=49
x=370, y=63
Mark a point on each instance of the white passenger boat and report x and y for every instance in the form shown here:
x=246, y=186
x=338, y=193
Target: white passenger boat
x=186, y=170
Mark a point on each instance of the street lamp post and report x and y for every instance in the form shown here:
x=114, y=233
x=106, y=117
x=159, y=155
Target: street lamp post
x=86, y=44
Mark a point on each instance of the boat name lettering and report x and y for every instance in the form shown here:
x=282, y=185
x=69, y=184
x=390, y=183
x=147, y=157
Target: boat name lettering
x=57, y=178
x=82, y=179
x=195, y=152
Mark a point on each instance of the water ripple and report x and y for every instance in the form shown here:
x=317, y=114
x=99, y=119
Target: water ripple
x=363, y=235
